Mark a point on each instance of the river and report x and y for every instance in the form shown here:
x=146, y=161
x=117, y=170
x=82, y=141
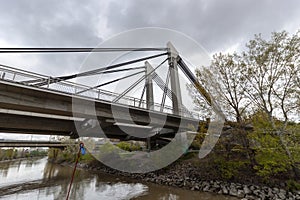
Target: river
x=39, y=179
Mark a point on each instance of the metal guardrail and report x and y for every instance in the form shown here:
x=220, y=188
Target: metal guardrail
x=18, y=76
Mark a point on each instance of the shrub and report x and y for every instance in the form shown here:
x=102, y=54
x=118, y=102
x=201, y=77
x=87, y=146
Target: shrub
x=129, y=146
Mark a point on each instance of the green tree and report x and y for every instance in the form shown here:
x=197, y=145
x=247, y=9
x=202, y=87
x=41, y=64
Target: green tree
x=271, y=68
x=270, y=156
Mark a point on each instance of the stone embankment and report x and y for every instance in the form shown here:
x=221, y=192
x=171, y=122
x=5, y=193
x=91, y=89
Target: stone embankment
x=182, y=176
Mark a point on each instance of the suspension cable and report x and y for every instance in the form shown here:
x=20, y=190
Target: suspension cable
x=165, y=92
x=121, y=70
x=138, y=81
x=164, y=87
x=95, y=71
x=103, y=84
x=104, y=72
x=75, y=50
x=142, y=96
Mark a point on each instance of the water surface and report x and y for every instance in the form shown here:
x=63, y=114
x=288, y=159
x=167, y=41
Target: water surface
x=40, y=179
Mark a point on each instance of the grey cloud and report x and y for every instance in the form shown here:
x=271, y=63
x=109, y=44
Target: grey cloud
x=50, y=24
x=215, y=24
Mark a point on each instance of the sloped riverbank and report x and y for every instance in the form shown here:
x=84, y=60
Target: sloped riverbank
x=41, y=179
x=184, y=175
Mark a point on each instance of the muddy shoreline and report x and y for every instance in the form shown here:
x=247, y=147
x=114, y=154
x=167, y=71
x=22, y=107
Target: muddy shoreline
x=183, y=175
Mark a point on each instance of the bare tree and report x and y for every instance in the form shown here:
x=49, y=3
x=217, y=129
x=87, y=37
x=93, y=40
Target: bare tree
x=224, y=82
x=272, y=68
x=297, y=88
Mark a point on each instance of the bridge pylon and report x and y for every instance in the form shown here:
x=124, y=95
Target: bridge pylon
x=174, y=79
x=149, y=87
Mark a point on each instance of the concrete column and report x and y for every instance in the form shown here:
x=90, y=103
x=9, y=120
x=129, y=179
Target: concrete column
x=149, y=87
x=174, y=79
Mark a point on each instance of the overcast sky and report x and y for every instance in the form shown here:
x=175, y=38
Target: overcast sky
x=218, y=25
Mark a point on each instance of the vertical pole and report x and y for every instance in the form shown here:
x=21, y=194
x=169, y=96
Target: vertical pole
x=3, y=75
x=149, y=87
x=174, y=79
x=48, y=82
x=14, y=76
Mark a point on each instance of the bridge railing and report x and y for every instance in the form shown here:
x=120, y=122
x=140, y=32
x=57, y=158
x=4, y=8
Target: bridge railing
x=21, y=76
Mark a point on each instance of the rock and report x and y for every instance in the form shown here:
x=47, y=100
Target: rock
x=233, y=191
x=204, y=184
x=224, y=190
x=240, y=193
x=252, y=187
x=257, y=193
x=216, y=185
x=238, y=186
x=281, y=195
x=206, y=188
x=262, y=195
x=275, y=190
x=247, y=190
x=220, y=192
x=282, y=191
x=270, y=193
x=250, y=197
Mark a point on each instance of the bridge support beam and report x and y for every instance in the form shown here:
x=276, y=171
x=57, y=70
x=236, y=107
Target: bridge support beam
x=149, y=87
x=174, y=78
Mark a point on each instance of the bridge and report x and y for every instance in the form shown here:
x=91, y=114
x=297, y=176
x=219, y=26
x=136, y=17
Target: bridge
x=32, y=103
x=32, y=143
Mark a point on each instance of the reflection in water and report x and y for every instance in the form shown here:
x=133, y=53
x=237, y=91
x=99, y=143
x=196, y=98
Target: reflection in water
x=39, y=179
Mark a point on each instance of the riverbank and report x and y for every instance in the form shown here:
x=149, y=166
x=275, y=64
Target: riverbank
x=23, y=158
x=240, y=165
x=12, y=154
x=185, y=175
x=41, y=179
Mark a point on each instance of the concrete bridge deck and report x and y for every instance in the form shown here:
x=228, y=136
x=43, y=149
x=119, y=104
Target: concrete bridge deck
x=29, y=109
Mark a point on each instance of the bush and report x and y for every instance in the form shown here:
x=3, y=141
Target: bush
x=229, y=168
x=126, y=146
x=293, y=185
x=270, y=156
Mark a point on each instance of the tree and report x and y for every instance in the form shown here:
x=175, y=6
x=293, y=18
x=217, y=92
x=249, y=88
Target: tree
x=224, y=82
x=271, y=68
x=297, y=83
